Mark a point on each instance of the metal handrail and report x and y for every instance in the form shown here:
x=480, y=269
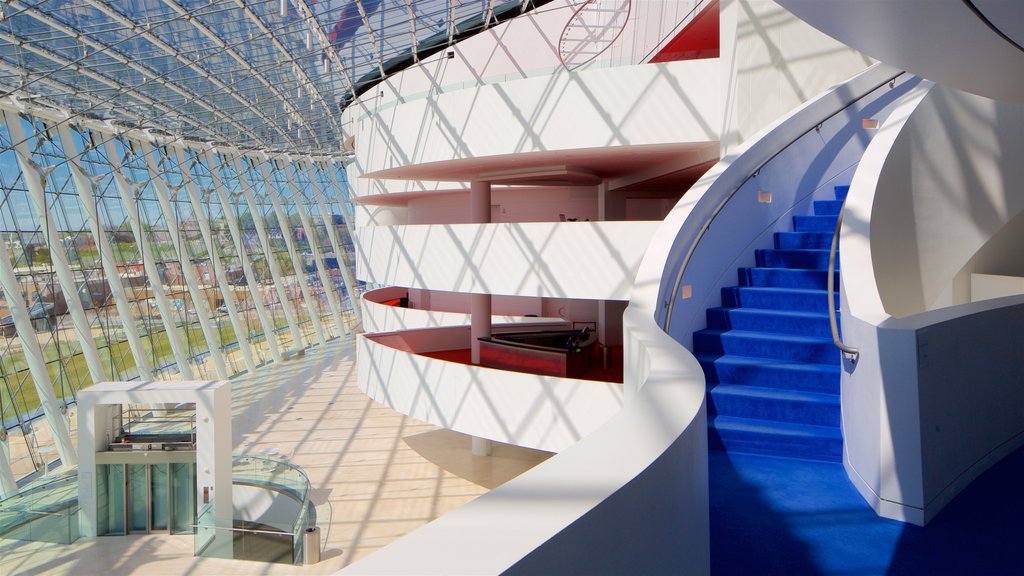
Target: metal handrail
x=830, y=291
x=673, y=294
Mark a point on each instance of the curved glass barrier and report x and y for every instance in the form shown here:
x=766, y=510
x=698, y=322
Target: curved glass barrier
x=254, y=540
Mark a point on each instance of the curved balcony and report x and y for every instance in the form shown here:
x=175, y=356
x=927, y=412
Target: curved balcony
x=591, y=260
x=387, y=310
x=540, y=412
x=599, y=110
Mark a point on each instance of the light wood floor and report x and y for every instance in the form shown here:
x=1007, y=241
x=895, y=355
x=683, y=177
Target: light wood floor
x=376, y=475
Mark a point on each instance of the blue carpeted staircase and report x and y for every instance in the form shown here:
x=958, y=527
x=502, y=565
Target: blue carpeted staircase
x=773, y=373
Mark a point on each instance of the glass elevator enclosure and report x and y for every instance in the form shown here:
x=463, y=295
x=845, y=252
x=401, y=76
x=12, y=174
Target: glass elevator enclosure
x=146, y=498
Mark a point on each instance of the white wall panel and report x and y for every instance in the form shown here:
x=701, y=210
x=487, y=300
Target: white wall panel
x=592, y=260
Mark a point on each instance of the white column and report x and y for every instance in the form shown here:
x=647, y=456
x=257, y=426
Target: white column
x=286, y=231
x=275, y=269
x=481, y=446
x=213, y=456
x=128, y=192
x=332, y=234
x=8, y=487
x=347, y=274
x=35, y=181
x=194, y=291
x=230, y=303
x=332, y=298
x=34, y=357
x=243, y=256
x=479, y=304
x=87, y=193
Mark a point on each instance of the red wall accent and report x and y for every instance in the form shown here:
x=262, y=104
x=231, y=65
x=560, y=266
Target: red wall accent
x=699, y=39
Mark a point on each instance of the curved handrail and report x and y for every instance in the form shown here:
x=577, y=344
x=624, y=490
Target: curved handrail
x=830, y=291
x=671, y=296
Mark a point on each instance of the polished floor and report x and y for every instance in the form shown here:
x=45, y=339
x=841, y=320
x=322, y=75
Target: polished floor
x=376, y=475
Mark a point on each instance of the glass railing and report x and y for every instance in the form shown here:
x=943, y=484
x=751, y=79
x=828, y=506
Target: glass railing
x=247, y=540
x=43, y=511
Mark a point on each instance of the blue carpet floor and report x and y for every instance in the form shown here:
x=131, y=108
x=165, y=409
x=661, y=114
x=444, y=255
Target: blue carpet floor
x=773, y=515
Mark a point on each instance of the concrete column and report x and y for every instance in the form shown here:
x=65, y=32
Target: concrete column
x=479, y=304
x=8, y=487
x=35, y=181
x=230, y=303
x=87, y=194
x=275, y=269
x=480, y=202
x=480, y=312
x=127, y=192
x=243, y=256
x=481, y=446
x=187, y=271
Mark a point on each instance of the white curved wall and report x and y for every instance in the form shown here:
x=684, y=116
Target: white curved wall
x=541, y=412
x=934, y=398
x=941, y=40
x=592, y=260
x=950, y=182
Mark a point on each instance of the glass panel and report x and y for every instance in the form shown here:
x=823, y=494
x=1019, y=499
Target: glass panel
x=183, y=498
x=138, y=513
x=158, y=496
x=115, y=499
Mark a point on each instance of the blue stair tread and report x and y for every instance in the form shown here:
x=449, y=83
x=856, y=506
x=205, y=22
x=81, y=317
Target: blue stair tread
x=795, y=258
x=763, y=393
x=761, y=276
x=841, y=192
x=789, y=338
x=775, y=428
x=768, y=320
x=771, y=372
x=774, y=298
x=797, y=240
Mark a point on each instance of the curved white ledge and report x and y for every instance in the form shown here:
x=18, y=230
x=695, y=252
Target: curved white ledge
x=540, y=412
x=590, y=260
x=609, y=107
x=379, y=317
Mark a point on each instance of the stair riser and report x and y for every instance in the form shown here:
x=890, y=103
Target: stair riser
x=803, y=240
x=782, y=278
x=827, y=207
x=764, y=347
x=814, y=224
x=817, y=413
x=841, y=192
x=739, y=319
x=795, y=259
x=827, y=450
x=734, y=297
x=811, y=379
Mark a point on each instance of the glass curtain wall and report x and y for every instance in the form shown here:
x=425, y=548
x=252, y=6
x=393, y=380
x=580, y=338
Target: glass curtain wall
x=118, y=265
